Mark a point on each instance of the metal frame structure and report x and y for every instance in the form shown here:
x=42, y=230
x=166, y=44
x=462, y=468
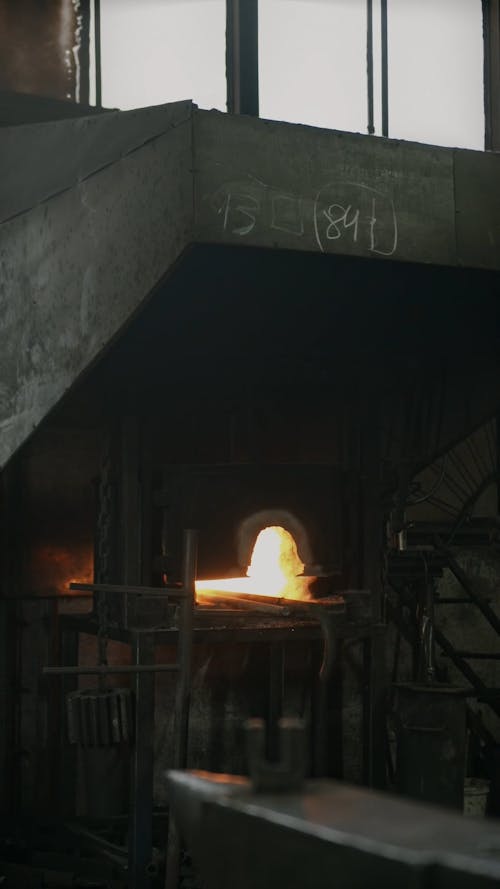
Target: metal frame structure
x=142, y=669
x=143, y=643
x=242, y=67
x=242, y=56
x=491, y=35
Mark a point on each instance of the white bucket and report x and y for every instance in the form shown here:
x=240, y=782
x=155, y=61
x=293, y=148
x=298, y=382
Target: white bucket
x=476, y=792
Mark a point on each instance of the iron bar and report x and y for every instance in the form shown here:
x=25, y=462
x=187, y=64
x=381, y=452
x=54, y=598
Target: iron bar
x=95, y=840
x=479, y=655
x=185, y=647
x=109, y=669
x=240, y=603
x=475, y=457
x=444, y=506
x=183, y=693
x=456, y=488
x=242, y=56
x=369, y=64
x=491, y=444
x=453, y=600
x=276, y=693
x=464, y=581
x=82, y=41
x=464, y=471
x=463, y=667
x=130, y=589
x=141, y=820
x=467, y=506
x=385, y=69
x=44, y=596
x=491, y=37
x=97, y=53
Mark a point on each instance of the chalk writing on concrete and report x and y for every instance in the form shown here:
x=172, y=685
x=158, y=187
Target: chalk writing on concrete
x=356, y=211
x=347, y=212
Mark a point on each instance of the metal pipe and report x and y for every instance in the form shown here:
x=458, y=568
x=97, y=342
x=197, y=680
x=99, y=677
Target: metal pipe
x=491, y=39
x=369, y=64
x=385, y=71
x=182, y=699
x=126, y=589
x=104, y=670
x=242, y=56
x=97, y=53
x=185, y=647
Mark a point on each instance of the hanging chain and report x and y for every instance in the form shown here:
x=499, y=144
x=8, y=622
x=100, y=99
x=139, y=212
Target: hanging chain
x=103, y=551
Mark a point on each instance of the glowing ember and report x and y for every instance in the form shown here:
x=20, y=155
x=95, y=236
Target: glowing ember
x=275, y=569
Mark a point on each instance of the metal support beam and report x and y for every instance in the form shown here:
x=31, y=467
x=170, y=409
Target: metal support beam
x=141, y=810
x=276, y=698
x=491, y=36
x=385, y=69
x=83, y=80
x=369, y=64
x=97, y=53
x=68, y=653
x=183, y=695
x=242, y=56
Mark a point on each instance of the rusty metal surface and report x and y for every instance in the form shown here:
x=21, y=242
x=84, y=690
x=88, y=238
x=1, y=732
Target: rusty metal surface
x=329, y=832
x=44, y=47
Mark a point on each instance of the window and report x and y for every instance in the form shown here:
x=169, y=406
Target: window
x=435, y=50
x=156, y=51
x=312, y=62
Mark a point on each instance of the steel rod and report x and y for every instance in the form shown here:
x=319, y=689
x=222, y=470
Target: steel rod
x=464, y=471
x=97, y=53
x=242, y=57
x=130, y=589
x=369, y=64
x=464, y=581
x=183, y=693
x=491, y=36
x=479, y=655
x=385, y=70
x=104, y=670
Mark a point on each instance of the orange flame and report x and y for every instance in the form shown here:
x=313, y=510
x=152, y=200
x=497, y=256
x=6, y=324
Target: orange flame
x=275, y=569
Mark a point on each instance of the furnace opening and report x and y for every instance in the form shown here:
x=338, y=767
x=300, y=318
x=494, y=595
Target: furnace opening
x=275, y=569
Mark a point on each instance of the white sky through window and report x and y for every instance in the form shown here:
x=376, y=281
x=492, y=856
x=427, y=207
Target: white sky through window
x=312, y=62
x=156, y=51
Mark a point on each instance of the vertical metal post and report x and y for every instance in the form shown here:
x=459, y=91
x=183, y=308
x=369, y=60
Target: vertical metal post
x=141, y=812
x=83, y=43
x=491, y=37
x=276, y=697
x=374, y=709
x=242, y=56
x=183, y=693
x=97, y=53
x=369, y=64
x=318, y=703
x=385, y=69
x=185, y=649
x=143, y=653
x=68, y=654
